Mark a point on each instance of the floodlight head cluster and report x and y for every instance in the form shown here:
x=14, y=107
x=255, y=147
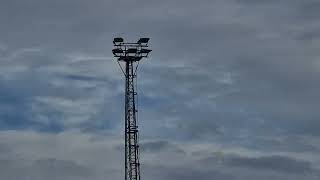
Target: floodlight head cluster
x=130, y=51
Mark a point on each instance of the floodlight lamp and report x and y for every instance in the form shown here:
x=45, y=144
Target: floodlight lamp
x=117, y=51
x=143, y=40
x=117, y=40
x=145, y=51
x=132, y=50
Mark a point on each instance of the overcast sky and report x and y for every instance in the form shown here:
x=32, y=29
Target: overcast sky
x=230, y=92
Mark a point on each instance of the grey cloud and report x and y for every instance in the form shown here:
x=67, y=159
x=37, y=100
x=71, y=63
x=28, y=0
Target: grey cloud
x=298, y=144
x=30, y=78
x=237, y=73
x=76, y=155
x=185, y=172
x=160, y=146
x=270, y=166
x=43, y=169
x=256, y=44
x=309, y=11
x=53, y=169
x=276, y=163
x=68, y=155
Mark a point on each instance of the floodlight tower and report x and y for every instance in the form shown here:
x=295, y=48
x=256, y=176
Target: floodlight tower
x=130, y=54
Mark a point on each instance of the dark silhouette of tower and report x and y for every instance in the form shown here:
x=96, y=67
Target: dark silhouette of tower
x=130, y=54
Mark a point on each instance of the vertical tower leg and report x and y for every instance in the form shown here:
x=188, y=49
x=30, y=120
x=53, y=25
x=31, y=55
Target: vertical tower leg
x=132, y=165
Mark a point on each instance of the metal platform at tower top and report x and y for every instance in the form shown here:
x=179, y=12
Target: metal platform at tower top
x=130, y=51
x=130, y=54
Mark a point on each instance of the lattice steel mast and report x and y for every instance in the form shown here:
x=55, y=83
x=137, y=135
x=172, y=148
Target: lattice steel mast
x=131, y=54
